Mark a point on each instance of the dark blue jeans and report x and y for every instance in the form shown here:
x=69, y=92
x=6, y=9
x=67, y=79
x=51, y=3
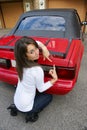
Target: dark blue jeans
x=41, y=101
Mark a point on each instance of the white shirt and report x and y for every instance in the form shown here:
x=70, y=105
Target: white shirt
x=26, y=89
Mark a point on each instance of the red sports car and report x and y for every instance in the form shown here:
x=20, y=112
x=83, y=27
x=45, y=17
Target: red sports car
x=60, y=30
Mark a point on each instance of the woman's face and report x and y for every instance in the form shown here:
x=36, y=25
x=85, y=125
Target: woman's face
x=32, y=52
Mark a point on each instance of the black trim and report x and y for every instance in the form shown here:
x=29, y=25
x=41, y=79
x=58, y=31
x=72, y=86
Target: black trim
x=7, y=47
x=46, y=43
x=11, y=41
x=67, y=49
x=63, y=55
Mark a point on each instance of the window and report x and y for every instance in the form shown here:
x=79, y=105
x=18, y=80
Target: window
x=51, y=23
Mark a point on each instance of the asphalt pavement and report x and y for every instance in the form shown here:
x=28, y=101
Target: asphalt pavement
x=68, y=112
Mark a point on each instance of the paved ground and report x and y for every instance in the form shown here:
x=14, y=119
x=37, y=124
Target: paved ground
x=67, y=112
x=3, y=31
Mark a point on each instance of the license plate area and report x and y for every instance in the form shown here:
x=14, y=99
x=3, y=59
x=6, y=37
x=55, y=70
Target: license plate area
x=46, y=68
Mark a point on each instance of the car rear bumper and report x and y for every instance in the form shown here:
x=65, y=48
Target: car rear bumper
x=8, y=76
x=61, y=87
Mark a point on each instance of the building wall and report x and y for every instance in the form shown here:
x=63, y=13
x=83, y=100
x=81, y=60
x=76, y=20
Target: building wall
x=79, y=5
x=11, y=12
x=0, y=20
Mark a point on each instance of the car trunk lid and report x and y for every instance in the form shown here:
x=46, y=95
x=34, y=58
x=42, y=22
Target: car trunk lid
x=58, y=48
x=61, y=51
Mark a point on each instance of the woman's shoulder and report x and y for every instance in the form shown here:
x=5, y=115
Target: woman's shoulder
x=34, y=69
x=37, y=68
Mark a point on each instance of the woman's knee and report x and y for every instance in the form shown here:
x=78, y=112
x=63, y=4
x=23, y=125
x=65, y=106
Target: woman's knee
x=49, y=97
x=45, y=98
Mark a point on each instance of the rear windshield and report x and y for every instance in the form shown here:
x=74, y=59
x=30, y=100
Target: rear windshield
x=51, y=23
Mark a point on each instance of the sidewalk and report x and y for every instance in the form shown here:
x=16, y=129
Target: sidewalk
x=4, y=31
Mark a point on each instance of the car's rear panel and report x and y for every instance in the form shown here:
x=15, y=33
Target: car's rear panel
x=65, y=54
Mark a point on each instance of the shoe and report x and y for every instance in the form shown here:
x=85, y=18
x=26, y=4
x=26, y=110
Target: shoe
x=13, y=110
x=32, y=117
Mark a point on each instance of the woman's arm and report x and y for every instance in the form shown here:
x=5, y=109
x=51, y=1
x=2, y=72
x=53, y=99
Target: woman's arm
x=45, y=51
x=39, y=80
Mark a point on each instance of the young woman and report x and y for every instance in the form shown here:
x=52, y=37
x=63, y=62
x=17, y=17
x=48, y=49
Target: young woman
x=31, y=78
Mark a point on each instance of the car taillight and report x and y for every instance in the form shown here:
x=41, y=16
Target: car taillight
x=66, y=73
x=62, y=72
x=5, y=63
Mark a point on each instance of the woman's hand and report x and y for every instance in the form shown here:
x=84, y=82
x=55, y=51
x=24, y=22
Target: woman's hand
x=45, y=51
x=53, y=73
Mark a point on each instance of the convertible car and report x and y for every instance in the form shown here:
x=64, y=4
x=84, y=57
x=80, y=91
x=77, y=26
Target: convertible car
x=61, y=32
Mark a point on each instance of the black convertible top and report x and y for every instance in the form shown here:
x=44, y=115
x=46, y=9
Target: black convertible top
x=73, y=23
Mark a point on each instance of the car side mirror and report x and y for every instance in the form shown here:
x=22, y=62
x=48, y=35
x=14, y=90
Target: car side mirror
x=84, y=23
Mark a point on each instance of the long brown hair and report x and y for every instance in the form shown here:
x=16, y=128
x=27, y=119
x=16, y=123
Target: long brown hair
x=20, y=54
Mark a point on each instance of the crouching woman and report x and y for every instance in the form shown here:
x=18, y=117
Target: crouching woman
x=31, y=78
